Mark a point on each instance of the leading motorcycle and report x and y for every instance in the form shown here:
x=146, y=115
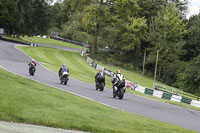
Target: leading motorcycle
x=31, y=69
x=64, y=78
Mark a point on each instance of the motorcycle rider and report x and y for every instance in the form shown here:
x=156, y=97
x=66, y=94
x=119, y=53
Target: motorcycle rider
x=63, y=68
x=33, y=63
x=116, y=78
x=98, y=75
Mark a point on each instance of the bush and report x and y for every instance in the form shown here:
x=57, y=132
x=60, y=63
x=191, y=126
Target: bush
x=54, y=29
x=67, y=34
x=82, y=37
x=128, y=66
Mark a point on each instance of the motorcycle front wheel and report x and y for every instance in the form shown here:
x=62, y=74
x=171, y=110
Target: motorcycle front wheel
x=121, y=93
x=114, y=93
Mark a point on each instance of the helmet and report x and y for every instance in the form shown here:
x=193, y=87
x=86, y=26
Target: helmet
x=118, y=71
x=100, y=70
x=33, y=60
x=63, y=65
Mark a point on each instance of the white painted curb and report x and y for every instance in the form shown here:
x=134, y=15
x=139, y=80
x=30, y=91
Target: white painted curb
x=157, y=93
x=195, y=103
x=176, y=98
x=140, y=89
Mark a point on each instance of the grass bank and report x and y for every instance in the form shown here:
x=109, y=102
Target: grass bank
x=26, y=101
x=80, y=70
x=43, y=41
x=51, y=42
x=14, y=38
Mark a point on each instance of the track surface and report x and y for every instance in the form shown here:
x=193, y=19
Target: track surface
x=15, y=61
x=6, y=127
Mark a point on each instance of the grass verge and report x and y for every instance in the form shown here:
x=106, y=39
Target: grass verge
x=26, y=101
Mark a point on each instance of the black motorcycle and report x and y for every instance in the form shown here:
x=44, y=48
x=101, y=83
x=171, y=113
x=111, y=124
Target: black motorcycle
x=119, y=89
x=64, y=78
x=100, y=83
x=31, y=69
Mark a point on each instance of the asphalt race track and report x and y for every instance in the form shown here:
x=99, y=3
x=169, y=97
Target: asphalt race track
x=17, y=62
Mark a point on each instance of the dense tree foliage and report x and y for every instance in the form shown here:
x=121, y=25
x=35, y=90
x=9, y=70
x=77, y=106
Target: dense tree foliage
x=128, y=27
x=25, y=17
x=166, y=33
x=189, y=78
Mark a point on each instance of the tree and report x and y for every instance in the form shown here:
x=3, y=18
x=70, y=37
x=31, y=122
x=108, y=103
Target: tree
x=166, y=32
x=130, y=28
x=41, y=17
x=189, y=79
x=149, y=8
x=192, y=45
x=95, y=17
x=9, y=15
x=129, y=38
x=70, y=7
x=56, y=15
x=181, y=5
x=25, y=25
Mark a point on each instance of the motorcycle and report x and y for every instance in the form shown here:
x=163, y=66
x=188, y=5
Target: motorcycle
x=64, y=78
x=31, y=69
x=119, y=89
x=100, y=83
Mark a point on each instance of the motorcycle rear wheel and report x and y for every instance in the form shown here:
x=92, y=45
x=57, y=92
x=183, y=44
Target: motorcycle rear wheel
x=114, y=94
x=102, y=86
x=65, y=80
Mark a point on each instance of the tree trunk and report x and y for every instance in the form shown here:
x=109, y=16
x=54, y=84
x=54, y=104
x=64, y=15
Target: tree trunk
x=94, y=46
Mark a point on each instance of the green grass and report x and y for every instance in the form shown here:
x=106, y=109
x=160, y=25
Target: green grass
x=15, y=38
x=81, y=70
x=51, y=42
x=26, y=101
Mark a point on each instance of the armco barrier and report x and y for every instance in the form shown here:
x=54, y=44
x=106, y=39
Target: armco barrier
x=99, y=67
x=94, y=64
x=186, y=100
x=195, y=103
x=157, y=93
x=148, y=91
x=167, y=96
x=176, y=98
x=107, y=72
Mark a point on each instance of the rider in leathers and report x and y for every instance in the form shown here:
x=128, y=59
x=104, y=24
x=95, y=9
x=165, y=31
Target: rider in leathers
x=63, y=68
x=116, y=78
x=97, y=77
x=33, y=63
